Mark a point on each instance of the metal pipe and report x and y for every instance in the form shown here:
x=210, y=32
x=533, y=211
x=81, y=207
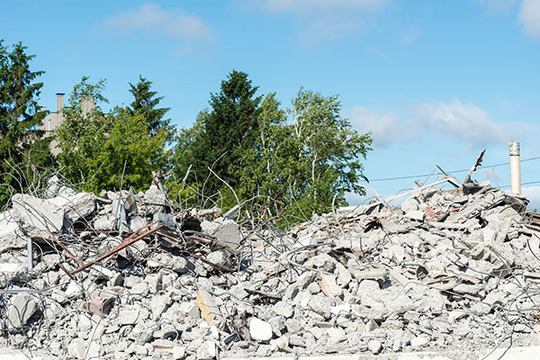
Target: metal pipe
x=515, y=169
x=30, y=254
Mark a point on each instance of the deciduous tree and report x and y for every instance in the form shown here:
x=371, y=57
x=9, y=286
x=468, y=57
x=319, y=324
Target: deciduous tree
x=83, y=133
x=109, y=151
x=309, y=155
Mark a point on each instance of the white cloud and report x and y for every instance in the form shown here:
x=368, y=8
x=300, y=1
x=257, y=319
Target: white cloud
x=328, y=28
x=529, y=17
x=533, y=194
x=453, y=119
x=462, y=121
x=385, y=128
x=150, y=18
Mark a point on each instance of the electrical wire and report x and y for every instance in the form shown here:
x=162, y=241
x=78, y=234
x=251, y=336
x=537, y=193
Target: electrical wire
x=404, y=177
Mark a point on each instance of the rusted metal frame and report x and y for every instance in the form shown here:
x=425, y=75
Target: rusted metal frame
x=71, y=255
x=174, y=243
x=125, y=243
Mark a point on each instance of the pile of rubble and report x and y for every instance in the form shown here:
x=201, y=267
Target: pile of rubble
x=128, y=276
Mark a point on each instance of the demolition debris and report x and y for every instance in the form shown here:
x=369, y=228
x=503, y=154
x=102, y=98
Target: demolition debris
x=127, y=276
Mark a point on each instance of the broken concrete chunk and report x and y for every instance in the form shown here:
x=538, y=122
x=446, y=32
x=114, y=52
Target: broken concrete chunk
x=419, y=341
x=417, y=215
x=368, y=273
x=10, y=236
x=284, y=309
x=329, y=285
x=226, y=231
x=207, y=351
x=409, y=205
x=77, y=348
x=159, y=304
x=20, y=310
x=105, y=222
x=77, y=206
x=128, y=316
x=260, y=330
x=209, y=309
x=321, y=305
x=154, y=201
x=38, y=213
x=375, y=346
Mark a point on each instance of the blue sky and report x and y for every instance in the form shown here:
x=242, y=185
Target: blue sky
x=435, y=81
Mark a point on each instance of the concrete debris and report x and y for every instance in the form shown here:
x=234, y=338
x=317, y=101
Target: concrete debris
x=260, y=330
x=20, y=310
x=37, y=213
x=127, y=276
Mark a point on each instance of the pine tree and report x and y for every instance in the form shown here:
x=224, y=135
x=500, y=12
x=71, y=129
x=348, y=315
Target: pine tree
x=145, y=102
x=22, y=147
x=229, y=128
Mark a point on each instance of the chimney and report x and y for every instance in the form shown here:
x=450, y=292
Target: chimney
x=515, y=169
x=87, y=105
x=59, y=102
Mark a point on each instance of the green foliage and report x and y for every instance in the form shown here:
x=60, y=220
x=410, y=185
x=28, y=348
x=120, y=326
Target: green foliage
x=328, y=152
x=129, y=154
x=82, y=135
x=145, y=102
x=226, y=131
x=22, y=147
x=109, y=151
x=308, y=156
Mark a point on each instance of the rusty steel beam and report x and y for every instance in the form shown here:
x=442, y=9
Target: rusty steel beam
x=71, y=255
x=136, y=236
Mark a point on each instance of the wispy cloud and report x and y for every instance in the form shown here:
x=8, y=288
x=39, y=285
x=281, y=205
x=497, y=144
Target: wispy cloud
x=453, y=119
x=384, y=127
x=306, y=7
x=320, y=20
x=408, y=37
x=152, y=19
x=461, y=121
x=529, y=17
x=497, y=6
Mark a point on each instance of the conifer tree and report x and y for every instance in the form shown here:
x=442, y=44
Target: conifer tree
x=22, y=147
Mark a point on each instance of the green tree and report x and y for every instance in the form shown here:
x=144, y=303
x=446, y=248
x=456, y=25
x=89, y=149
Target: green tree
x=312, y=160
x=129, y=154
x=267, y=160
x=146, y=103
x=22, y=147
x=82, y=135
x=328, y=153
x=308, y=155
x=107, y=151
x=228, y=129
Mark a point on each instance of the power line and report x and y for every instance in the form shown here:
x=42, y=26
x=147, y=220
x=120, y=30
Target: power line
x=522, y=184
x=448, y=172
